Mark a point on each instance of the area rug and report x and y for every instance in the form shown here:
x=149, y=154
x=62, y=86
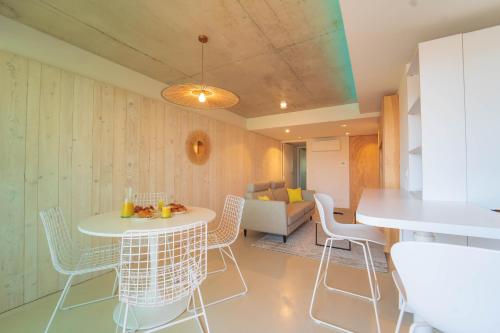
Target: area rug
x=302, y=243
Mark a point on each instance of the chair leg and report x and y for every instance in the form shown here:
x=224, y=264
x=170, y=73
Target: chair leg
x=239, y=271
x=92, y=301
x=125, y=319
x=124, y=326
x=195, y=316
x=203, y=311
x=231, y=256
x=59, y=302
x=244, y=232
x=327, y=266
x=195, y=309
x=400, y=318
x=316, y=285
x=119, y=317
x=221, y=269
x=367, y=298
x=372, y=289
x=115, y=284
x=373, y=270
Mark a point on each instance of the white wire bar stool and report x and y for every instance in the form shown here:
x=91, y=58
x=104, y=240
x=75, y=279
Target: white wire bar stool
x=226, y=234
x=358, y=234
x=161, y=267
x=401, y=290
x=69, y=259
x=150, y=198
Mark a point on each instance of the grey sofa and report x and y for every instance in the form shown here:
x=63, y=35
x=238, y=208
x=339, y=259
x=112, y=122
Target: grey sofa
x=276, y=216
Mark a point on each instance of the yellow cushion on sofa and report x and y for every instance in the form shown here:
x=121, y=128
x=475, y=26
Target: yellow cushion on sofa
x=294, y=195
x=263, y=197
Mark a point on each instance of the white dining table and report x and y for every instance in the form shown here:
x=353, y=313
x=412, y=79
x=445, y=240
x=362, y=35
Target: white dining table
x=399, y=209
x=111, y=225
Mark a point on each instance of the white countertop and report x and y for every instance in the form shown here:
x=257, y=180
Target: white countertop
x=399, y=209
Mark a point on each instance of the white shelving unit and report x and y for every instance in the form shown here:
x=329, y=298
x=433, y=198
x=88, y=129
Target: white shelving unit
x=415, y=108
x=414, y=67
x=416, y=151
x=450, y=126
x=414, y=126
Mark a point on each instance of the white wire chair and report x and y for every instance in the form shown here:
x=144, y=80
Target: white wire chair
x=226, y=234
x=150, y=198
x=358, y=234
x=160, y=267
x=69, y=259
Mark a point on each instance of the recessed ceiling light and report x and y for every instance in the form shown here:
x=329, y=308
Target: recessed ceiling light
x=344, y=125
x=347, y=133
x=287, y=131
x=300, y=137
x=283, y=105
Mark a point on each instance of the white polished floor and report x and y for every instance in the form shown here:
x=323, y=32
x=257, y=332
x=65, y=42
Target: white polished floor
x=280, y=288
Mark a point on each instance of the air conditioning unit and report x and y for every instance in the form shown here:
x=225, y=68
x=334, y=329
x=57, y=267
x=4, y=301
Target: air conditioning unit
x=324, y=145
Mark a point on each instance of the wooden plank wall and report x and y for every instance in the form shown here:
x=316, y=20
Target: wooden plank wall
x=71, y=141
x=390, y=141
x=390, y=159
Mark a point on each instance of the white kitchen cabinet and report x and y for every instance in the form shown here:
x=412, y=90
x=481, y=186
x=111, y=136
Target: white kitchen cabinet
x=481, y=54
x=452, y=98
x=443, y=119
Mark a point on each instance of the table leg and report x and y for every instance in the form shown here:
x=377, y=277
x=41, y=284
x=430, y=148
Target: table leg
x=422, y=327
x=149, y=317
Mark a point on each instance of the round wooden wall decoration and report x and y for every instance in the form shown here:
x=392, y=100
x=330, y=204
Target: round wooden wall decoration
x=198, y=147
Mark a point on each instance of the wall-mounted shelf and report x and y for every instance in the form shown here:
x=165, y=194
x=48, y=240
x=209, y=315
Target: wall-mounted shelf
x=415, y=108
x=416, y=150
x=414, y=69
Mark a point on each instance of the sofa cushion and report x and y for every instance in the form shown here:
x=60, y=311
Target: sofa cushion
x=277, y=184
x=309, y=206
x=305, y=206
x=294, y=212
x=258, y=187
x=280, y=194
x=294, y=194
x=256, y=195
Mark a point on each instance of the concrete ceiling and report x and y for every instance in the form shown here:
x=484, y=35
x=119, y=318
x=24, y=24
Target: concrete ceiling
x=383, y=35
x=364, y=126
x=264, y=51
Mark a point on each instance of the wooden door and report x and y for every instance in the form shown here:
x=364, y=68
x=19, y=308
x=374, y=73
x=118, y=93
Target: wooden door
x=363, y=166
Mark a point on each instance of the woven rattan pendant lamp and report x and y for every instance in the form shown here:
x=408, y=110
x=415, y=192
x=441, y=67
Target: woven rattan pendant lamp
x=199, y=95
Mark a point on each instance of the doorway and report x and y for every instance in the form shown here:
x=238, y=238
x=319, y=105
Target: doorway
x=301, y=168
x=295, y=164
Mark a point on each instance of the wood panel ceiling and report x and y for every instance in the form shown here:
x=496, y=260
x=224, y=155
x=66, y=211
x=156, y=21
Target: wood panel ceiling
x=264, y=51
